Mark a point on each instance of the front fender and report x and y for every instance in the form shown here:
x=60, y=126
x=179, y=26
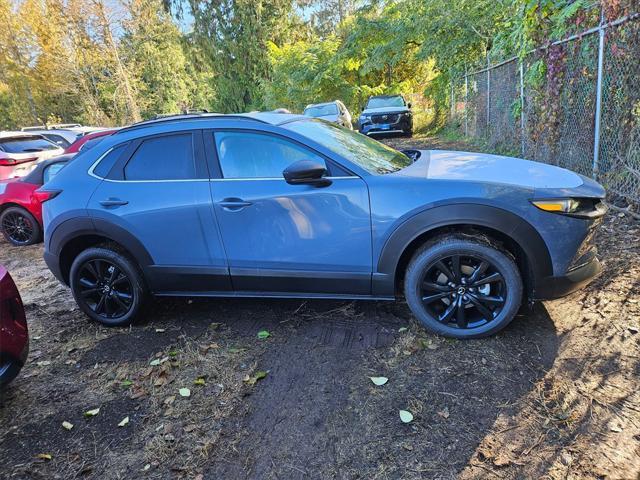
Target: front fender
x=503, y=221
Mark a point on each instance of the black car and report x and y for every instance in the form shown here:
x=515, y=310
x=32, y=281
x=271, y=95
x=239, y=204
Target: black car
x=386, y=114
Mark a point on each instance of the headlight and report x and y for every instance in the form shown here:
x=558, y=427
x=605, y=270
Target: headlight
x=577, y=207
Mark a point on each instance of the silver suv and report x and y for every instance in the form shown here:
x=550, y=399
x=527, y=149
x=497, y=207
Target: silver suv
x=334, y=112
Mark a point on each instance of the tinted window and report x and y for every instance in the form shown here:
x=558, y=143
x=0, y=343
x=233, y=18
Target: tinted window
x=51, y=171
x=381, y=102
x=108, y=161
x=253, y=155
x=26, y=144
x=370, y=154
x=321, y=110
x=162, y=158
x=57, y=139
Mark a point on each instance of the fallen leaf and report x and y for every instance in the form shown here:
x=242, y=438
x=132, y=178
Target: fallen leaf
x=146, y=467
x=235, y=350
x=66, y=425
x=402, y=329
x=43, y=363
x=252, y=380
x=214, y=325
x=92, y=413
x=44, y=456
x=160, y=330
x=379, y=380
x=405, y=416
x=173, y=353
x=126, y=383
x=155, y=363
x=444, y=413
x=199, y=381
x=124, y=422
x=184, y=392
x=262, y=334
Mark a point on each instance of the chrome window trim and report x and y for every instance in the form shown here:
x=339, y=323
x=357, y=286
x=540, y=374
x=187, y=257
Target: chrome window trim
x=251, y=179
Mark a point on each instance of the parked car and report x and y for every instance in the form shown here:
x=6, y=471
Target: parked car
x=61, y=137
x=21, y=203
x=14, y=335
x=275, y=205
x=386, y=114
x=334, y=112
x=89, y=140
x=20, y=153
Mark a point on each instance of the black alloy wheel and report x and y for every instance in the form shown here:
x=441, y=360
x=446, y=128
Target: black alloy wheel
x=106, y=288
x=463, y=291
x=107, y=285
x=19, y=227
x=463, y=286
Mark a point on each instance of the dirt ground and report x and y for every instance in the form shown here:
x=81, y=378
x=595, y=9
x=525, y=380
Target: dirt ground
x=553, y=396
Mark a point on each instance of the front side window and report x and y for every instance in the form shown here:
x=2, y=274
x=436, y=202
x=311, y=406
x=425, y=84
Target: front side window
x=255, y=155
x=168, y=157
x=26, y=144
x=373, y=156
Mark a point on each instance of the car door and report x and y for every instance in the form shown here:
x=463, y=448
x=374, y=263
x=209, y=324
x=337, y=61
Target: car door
x=288, y=238
x=157, y=189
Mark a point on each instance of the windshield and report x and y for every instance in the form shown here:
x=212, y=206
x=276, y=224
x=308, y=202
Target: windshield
x=321, y=110
x=26, y=144
x=381, y=102
x=370, y=154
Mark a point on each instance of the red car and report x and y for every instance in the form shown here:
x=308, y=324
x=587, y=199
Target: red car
x=20, y=152
x=21, y=204
x=89, y=140
x=14, y=336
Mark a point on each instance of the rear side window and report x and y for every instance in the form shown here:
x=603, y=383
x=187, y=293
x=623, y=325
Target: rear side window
x=108, y=161
x=26, y=144
x=163, y=158
x=254, y=155
x=57, y=139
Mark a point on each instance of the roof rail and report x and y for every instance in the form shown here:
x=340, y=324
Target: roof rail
x=184, y=117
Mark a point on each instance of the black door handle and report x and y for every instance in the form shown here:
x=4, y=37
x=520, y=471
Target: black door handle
x=234, y=204
x=113, y=202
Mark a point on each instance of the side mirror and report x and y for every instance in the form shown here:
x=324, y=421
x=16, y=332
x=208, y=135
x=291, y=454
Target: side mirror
x=409, y=104
x=306, y=172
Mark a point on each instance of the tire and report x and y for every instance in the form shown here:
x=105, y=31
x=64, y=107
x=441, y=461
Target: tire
x=108, y=286
x=9, y=370
x=455, y=302
x=19, y=227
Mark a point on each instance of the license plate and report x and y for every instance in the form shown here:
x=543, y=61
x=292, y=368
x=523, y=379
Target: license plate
x=385, y=126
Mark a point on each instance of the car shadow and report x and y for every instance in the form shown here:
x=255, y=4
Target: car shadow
x=318, y=415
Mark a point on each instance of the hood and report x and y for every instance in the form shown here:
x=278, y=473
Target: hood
x=373, y=111
x=482, y=167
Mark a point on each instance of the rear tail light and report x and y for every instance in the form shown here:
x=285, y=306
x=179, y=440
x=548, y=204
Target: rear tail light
x=10, y=162
x=11, y=308
x=45, y=195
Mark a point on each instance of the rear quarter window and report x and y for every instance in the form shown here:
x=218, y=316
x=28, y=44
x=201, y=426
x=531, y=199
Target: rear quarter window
x=108, y=161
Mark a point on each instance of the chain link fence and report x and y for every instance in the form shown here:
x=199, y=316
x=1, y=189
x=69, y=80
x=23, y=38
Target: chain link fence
x=574, y=103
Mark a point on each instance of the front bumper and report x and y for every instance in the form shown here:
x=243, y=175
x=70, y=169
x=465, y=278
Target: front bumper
x=403, y=125
x=555, y=287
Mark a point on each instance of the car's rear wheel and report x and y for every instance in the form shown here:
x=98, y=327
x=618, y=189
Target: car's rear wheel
x=463, y=287
x=19, y=227
x=107, y=286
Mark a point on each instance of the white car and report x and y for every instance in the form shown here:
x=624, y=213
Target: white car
x=334, y=112
x=20, y=152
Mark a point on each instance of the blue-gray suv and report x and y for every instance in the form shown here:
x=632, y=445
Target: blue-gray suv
x=274, y=205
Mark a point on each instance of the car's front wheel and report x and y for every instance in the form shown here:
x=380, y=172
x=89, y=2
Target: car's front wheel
x=107, y=286
x=463, y=287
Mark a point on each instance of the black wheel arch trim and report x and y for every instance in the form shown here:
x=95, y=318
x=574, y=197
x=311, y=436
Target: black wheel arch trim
x=77, y=227
x=495, y=218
